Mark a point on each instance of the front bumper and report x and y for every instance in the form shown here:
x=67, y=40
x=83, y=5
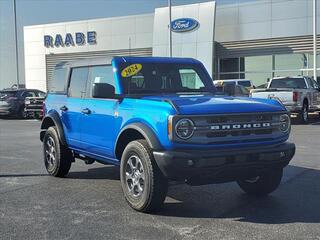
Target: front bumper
x=198, y=167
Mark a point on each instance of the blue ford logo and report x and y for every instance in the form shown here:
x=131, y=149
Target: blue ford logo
x=184, y=25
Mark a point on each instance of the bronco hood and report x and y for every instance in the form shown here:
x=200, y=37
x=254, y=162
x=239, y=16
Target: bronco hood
x=209, y=104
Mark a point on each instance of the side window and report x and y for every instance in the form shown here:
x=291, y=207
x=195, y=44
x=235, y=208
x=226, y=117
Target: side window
x=101, y=74
x=316, y=85
x=28, y=94
x=58, y=81
x=40, y=94
x=78, y=81
x=237, y=90
x=190, y=79
x=310, y=83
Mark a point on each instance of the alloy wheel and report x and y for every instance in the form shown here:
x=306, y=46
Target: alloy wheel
x=135, y=176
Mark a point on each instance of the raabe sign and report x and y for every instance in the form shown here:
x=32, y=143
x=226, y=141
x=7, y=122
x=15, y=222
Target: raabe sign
x=68, y=40
x=184, y=25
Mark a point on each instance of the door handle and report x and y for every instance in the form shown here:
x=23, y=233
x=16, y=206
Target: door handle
x=86, y=111
x=63, y=108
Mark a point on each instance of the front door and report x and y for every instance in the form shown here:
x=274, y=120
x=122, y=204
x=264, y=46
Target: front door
x=71, y=111
x=98, y=121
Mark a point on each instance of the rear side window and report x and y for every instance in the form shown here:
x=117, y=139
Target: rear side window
x=78, y=81
x=245, y=83
x=58, y=81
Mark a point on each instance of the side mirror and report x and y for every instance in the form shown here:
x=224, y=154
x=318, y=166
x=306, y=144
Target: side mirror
x=103, y=90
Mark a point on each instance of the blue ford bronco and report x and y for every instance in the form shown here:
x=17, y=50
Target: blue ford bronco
x=160, y=120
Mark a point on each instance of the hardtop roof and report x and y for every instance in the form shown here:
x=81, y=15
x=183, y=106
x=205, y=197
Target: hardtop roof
x=124, y=59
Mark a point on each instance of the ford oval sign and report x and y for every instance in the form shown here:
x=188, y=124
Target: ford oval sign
x=184, y=25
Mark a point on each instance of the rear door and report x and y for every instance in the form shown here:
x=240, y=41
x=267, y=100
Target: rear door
x=71, y=111
x=98, y=120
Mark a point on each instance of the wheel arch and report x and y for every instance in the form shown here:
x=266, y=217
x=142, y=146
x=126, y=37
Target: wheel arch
x=133, y=132
x=53, y=119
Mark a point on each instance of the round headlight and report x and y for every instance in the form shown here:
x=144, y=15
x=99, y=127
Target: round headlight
x=284, y=123
x=184, y=128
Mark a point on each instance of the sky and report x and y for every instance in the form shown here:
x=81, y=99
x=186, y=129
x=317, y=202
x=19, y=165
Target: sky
x=32, y=12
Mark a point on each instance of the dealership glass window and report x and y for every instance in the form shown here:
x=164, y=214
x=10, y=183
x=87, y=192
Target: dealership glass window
x=258, y=78
x=261, y=68
x=290, y=61
x=257, y=64
x=229, y=65
x=288, y=73
x=58, y=81
x=224, y=76
x=78, y=81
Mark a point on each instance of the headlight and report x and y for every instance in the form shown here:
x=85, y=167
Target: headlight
x=184, y=128
x=284, y=123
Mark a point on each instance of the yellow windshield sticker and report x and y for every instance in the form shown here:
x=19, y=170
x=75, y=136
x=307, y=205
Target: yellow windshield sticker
x=131, y=70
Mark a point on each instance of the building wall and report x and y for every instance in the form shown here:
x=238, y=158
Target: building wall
x=264, y=19
x=197, y=44
x=112, y=34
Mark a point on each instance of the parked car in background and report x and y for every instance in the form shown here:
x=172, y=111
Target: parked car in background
x=243, y=82
x=33, y=106
x=12, y=101
x=232, y=89
x=300, y=95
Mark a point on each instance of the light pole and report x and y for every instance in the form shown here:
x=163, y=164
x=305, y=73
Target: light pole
x=16, y=41
x=315, y=39
x=170, y=32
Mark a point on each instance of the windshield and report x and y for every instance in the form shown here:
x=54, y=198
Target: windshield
x=245, y=83
x=6, y=94
x=288, y=83
x=151, y=78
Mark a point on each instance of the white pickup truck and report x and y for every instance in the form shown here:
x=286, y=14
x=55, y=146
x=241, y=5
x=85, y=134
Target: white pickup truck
x=300, y=95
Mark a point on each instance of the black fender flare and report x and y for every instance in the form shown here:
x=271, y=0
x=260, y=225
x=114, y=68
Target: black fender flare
x=146, y=132
x=46, y=123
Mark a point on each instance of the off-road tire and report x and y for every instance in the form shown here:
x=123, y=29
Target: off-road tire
x=264, y=184
x=155, y=184
x=63, y=156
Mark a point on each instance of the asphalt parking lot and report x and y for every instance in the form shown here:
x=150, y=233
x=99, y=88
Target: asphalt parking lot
x=88, y=204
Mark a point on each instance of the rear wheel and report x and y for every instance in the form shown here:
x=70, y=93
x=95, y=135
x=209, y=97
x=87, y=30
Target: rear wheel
x=143, y=183
x=57, y=158
x=304, y=117
x=263, y=184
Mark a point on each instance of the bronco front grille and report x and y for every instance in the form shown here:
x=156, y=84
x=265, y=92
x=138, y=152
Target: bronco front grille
x=234, y=128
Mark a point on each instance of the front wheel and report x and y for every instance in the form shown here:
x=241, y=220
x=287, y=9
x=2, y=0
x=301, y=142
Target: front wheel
x=143, y=183
x=57, y=157
x=264, y=184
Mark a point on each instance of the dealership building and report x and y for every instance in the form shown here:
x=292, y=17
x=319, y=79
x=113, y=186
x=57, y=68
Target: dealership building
x=254, y=40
